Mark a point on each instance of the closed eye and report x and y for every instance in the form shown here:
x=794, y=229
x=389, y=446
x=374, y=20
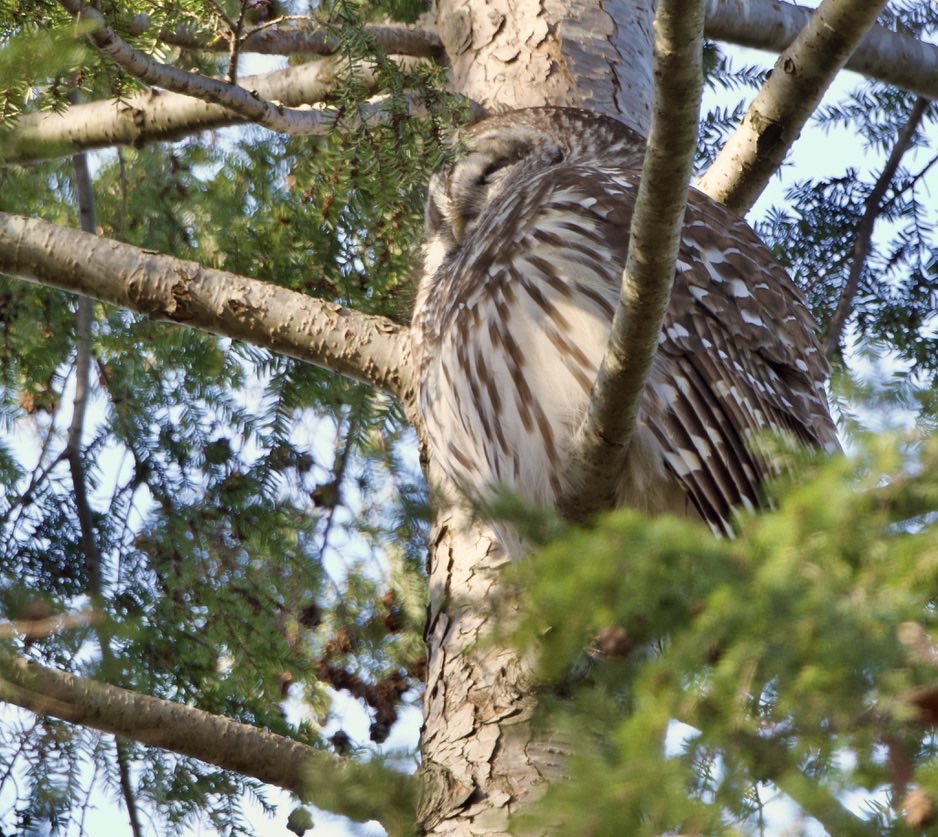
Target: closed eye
x=496, y=165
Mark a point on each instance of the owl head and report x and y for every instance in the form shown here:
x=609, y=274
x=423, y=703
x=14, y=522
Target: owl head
x=503, y=151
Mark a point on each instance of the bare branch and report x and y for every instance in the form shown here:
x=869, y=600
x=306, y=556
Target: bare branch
x=891, y=57
x=159, y=116
x=369, y=348
x=864, y=232
x=786, y=101
x=603, y=439
x=307, y=37
x=245, y=103
x=360, y=791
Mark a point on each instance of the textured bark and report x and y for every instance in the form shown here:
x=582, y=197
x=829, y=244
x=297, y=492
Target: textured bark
x=306, y=37
x=371, y=349
x=593, y=54
x=361, y=791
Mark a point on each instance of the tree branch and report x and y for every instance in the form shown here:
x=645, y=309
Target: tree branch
x=891, y=57
x=360, y=791
x=786, y=101
x=369, y=348
x=247, y=104
x=307, y=37
x=864, y=232
x=603, y=439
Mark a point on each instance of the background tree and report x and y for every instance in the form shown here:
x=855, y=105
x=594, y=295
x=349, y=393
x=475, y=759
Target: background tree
x=172, y=535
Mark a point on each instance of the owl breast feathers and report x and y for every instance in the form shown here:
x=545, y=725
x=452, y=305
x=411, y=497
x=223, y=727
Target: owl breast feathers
x=526, y=240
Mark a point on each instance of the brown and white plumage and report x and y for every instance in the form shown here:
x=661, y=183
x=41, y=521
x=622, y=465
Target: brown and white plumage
x=526, y=243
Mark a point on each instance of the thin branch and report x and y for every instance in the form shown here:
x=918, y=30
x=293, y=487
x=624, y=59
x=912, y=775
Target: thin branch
x=369, y=348
x=360, y=791
x=891, y=57
x=73, y=450
x=770, y=759
x=786, y=101
x=82, y=392
x=127, y=788
x=247, y=104
x=603, y=438
x=864, y=233
x=307, y=37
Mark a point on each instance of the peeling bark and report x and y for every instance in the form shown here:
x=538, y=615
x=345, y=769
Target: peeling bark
x=482, y=761
x=595, y=55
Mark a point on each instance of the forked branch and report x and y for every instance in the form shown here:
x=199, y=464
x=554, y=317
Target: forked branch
x=786, y=101
x=603, y=439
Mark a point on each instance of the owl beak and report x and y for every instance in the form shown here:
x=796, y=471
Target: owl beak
x=458, y=226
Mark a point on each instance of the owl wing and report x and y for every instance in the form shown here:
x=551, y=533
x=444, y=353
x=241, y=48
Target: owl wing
x=738, y=358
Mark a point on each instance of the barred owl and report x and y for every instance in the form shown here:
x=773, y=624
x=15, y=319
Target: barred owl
x=526, y=240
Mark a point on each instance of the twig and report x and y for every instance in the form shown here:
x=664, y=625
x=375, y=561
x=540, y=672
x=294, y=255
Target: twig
x=603, y=439
x=786, y=101
x=864, y=232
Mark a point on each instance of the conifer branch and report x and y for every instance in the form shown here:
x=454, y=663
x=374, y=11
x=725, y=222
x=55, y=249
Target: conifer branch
x=360, y=791
x=786, y=101
x=304, y=36
x=603, y=439
x=893, y=58
x=369, y=348
x=246, y=104
x=160, y=116
x=864, y=231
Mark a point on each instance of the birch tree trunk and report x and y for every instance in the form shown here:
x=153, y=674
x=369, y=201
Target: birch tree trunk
x=481, y=762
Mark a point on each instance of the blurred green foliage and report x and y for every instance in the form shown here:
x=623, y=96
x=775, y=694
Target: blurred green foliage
x=800, y=656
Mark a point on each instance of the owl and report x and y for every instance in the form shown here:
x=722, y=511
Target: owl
x=526, y=241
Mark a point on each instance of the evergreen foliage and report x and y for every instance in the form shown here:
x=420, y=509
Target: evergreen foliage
x=262, y=524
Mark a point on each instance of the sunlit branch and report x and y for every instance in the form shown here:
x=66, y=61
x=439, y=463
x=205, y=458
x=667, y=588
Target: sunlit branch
x=891, y=57
x=245, y=103
x=370, y=348
x=786, y=101
x=603, y=439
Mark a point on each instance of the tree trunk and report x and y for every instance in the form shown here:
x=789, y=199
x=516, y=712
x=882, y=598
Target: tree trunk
x=481, y=761
x=594, y=54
